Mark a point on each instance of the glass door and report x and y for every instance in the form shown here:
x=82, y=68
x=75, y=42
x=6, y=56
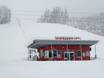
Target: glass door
x=66, y=55
x=69, y=55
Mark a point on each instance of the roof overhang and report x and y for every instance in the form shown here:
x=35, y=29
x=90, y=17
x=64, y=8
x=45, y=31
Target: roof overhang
x=39, y=43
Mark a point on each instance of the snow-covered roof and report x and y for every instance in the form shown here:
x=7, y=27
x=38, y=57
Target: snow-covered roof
x=62, y=42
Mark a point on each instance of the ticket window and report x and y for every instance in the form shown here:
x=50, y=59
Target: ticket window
x=54, y=54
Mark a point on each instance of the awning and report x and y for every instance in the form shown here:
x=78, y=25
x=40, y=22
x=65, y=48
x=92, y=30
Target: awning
x=39, y=43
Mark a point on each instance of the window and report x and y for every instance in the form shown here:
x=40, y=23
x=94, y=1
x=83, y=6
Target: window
x=87, y=54
x=78, y=53
x=41, y=54
x=66, y=55
x=59, y=53
x=55, y=53
x=84, y=54
x=47, y=54
x=50, y=54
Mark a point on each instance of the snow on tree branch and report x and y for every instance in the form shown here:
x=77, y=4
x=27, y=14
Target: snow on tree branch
x=5, y=15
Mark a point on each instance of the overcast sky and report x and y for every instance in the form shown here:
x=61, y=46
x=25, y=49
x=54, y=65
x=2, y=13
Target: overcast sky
x=73, y=6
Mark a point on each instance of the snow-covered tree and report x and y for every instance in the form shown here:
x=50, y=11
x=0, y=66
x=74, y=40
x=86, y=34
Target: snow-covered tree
x=45, y=17
x=93, y=23
x=57, y=15
x=5, y=15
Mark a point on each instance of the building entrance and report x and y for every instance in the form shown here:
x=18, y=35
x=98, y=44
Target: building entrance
x=69, y=55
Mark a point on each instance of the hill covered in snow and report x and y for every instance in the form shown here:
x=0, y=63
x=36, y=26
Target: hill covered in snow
x=16, y=36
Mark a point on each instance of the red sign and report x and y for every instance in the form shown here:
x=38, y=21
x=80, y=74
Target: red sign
x=67, y=38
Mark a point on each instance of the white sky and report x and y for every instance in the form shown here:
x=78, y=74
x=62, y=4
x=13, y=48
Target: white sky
x=73, y=6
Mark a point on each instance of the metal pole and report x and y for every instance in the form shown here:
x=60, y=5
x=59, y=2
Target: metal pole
x=51, y=51
x=81, y=51
x=95, y=52
x=67, y=47
x=67, y=51
x=28, y=54
x=89, y=55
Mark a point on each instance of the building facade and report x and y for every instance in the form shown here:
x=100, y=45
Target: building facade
x=60, y=50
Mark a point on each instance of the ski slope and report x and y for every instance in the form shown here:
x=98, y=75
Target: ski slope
x=16, y=36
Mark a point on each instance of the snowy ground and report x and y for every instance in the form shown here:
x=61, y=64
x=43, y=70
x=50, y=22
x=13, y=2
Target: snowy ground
x=25, y=69
x=15, y=37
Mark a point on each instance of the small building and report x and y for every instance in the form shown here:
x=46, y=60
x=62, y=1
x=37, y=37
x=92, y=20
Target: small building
x=52, y=50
